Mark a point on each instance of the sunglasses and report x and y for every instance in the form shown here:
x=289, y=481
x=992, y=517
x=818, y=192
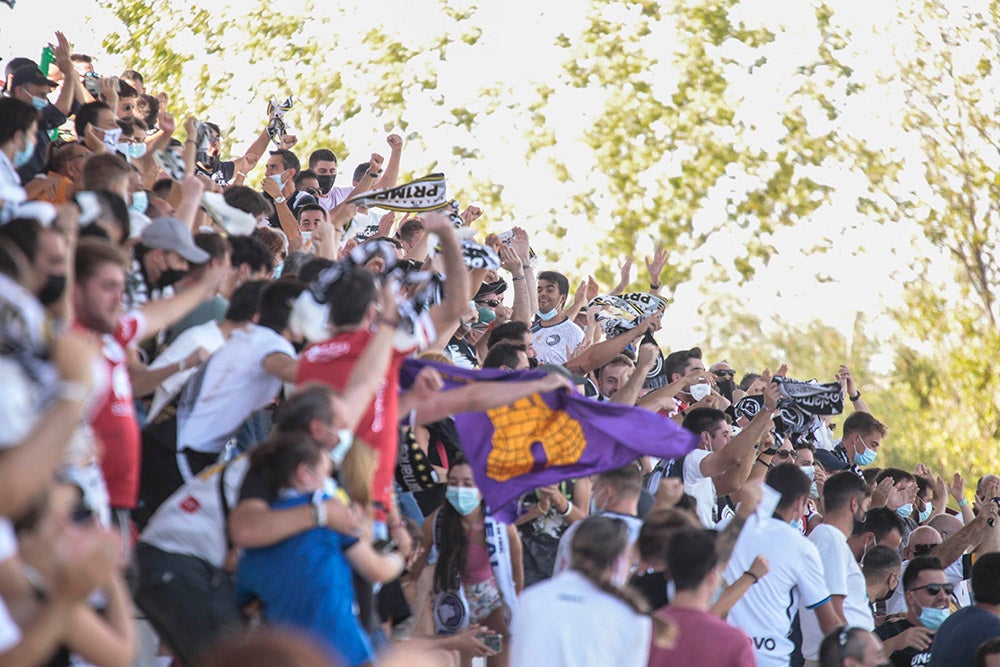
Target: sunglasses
x=934, y=589
x=784, y=454
x=492, y=303
x=313, y=191
x=725, y=374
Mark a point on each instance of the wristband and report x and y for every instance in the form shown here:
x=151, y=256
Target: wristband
x=190, y=141
x=318, y=508
x=180, y=366
x=752, y=576
x=73, y=392
x=963, y=502
x=241, y=173
x=569, y=508
x=518, y=278
x=526, y=267
x=652, y=286
x=855, y=397
x=373, y=175
x=764, y=463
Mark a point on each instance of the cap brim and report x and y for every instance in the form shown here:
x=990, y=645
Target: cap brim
x=194, y=254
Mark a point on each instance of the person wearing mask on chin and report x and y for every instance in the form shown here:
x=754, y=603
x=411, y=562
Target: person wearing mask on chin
x=863, y=435
x=554, y=335
x=928, y=595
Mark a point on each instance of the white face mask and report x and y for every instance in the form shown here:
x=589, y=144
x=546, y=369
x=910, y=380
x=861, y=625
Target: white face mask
x=111, y=138
x=306, y=237
x=700, y=391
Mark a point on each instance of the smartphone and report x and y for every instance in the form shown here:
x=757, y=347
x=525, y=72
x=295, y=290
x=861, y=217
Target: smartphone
x=493, y=641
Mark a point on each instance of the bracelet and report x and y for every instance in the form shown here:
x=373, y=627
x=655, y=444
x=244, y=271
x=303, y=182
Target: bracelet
x=518, y=278
x=190, y=141
x=73, y=392
x=397, y=526
x=764, y=463
x=373, y=175
x=752, y=576
x=318, y=508
x=963, y=502
x=180, y=366
x=241, y=173
x=855, y=397
x=526, y=267
x=569, y=508
x=652, y=286
x=393, y=323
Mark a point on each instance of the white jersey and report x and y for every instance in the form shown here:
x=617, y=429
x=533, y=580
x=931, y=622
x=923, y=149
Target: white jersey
x=700, y=487
x=843, y=577
x=566, y=621
x=233, y=383
x=766, y=611
x=10, y=634
x=554, y=345
x=565, y=550
x=192, y=521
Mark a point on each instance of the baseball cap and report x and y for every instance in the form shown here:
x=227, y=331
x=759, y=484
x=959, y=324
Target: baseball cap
x=30, y=74
x=172, y=234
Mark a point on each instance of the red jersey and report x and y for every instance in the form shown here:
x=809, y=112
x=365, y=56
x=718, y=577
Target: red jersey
x=331, y=362
x=113, y=421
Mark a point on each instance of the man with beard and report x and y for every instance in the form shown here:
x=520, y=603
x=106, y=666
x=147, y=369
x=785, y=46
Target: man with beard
x=846, y=499
x=99, y=269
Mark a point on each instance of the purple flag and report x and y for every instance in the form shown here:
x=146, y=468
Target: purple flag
x=548, y=437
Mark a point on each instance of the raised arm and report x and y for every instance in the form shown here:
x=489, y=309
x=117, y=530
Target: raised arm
x=162, y=313
x=446, y=314
x=391, y=173
x=628, y=393
x=480, y=396
x=601, y=353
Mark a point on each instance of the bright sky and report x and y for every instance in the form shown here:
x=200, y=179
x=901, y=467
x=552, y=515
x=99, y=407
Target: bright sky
x=863, y=271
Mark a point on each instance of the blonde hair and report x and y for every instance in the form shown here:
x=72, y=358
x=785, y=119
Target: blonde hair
x=357, y=472
x=436, y=356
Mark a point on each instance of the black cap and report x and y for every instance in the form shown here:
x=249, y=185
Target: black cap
x=498, y=287
x=30, y=74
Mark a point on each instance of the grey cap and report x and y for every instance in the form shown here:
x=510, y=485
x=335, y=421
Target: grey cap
x=172, y=234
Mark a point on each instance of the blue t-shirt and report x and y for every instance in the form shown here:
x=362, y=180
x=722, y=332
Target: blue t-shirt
x=961, y=635
x=305, y=583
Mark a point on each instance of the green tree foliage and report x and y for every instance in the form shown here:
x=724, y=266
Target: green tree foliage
x=945, y=377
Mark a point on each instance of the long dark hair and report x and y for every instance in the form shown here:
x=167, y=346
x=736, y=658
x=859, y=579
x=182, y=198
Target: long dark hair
x=452, y=544
x=597, y=544
x=278, y=458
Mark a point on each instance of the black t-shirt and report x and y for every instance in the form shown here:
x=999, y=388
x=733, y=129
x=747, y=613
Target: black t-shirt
x=906, y=656
x=652, y=586
x=255, y=486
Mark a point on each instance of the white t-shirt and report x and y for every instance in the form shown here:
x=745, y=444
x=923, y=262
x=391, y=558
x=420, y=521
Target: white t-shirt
x=565, y=551
x=10, y=634
x=553, y=345
x=566, y=621
x=766, y=611
x=334, y=197
x=208, y=336
x=233, y=386
x=191, y=521
x=699, y=487
x=843, y=577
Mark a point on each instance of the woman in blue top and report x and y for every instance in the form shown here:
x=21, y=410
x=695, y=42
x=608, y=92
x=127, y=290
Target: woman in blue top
x=304, y=582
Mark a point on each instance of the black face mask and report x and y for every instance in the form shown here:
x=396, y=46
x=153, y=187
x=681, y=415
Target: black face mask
x=169, y=277
x=532, y=362
x=326, y=182
x=52, y=289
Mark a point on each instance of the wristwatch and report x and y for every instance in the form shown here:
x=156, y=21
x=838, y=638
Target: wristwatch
x=279, y=199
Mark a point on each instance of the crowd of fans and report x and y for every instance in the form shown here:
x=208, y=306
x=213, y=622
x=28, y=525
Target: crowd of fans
x=210, y=456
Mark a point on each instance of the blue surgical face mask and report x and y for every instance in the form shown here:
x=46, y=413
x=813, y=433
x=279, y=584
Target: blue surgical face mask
x=140, y=201
x=814, y=491
x=22, y=157
x=465, y=499
x=340, y=450
x=111, y=137
x=546, y=316
x=136, y=150
x=905, y=511
x=797, y=525
x=277, y=179
x=866, y=456
x=926, y=513
x=932, y=618
x=39, y=102
x=306, y=237
x=810, y=471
